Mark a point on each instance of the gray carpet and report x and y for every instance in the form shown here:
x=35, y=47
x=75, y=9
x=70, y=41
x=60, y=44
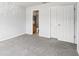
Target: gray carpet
x=27, y=45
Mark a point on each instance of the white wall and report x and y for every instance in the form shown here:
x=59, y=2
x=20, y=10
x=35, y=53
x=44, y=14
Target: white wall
x=44, y=22
x=28, y=21
x=12, y=20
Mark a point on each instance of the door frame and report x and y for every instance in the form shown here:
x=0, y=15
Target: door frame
x=38, y=20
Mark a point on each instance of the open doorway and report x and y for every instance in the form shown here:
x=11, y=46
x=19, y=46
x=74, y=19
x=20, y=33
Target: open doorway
x=35, y=22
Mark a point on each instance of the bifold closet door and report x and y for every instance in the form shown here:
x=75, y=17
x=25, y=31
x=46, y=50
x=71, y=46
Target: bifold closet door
x=62, y=23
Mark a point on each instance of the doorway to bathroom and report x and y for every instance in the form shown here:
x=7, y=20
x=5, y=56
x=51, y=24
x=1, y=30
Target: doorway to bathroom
x=35, y=22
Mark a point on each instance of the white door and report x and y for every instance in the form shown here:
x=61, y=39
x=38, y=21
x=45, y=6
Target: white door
x=62, y=23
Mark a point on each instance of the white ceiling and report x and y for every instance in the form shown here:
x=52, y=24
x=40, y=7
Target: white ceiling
x=28, y=4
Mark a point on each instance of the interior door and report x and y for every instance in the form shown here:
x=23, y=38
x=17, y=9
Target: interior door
x=62, y=23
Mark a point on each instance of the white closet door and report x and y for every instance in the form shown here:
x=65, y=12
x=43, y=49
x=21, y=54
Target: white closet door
x=53, y=20
x=62, y=23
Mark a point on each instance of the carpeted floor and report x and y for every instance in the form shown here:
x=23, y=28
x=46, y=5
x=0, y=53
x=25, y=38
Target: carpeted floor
x=27, y=45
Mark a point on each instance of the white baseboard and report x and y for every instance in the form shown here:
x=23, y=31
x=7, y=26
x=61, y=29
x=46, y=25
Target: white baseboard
x=13, y=36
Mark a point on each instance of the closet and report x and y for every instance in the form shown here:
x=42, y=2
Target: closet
x=62, y=23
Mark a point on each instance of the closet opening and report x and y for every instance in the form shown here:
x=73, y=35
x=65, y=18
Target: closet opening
x=35, y=22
